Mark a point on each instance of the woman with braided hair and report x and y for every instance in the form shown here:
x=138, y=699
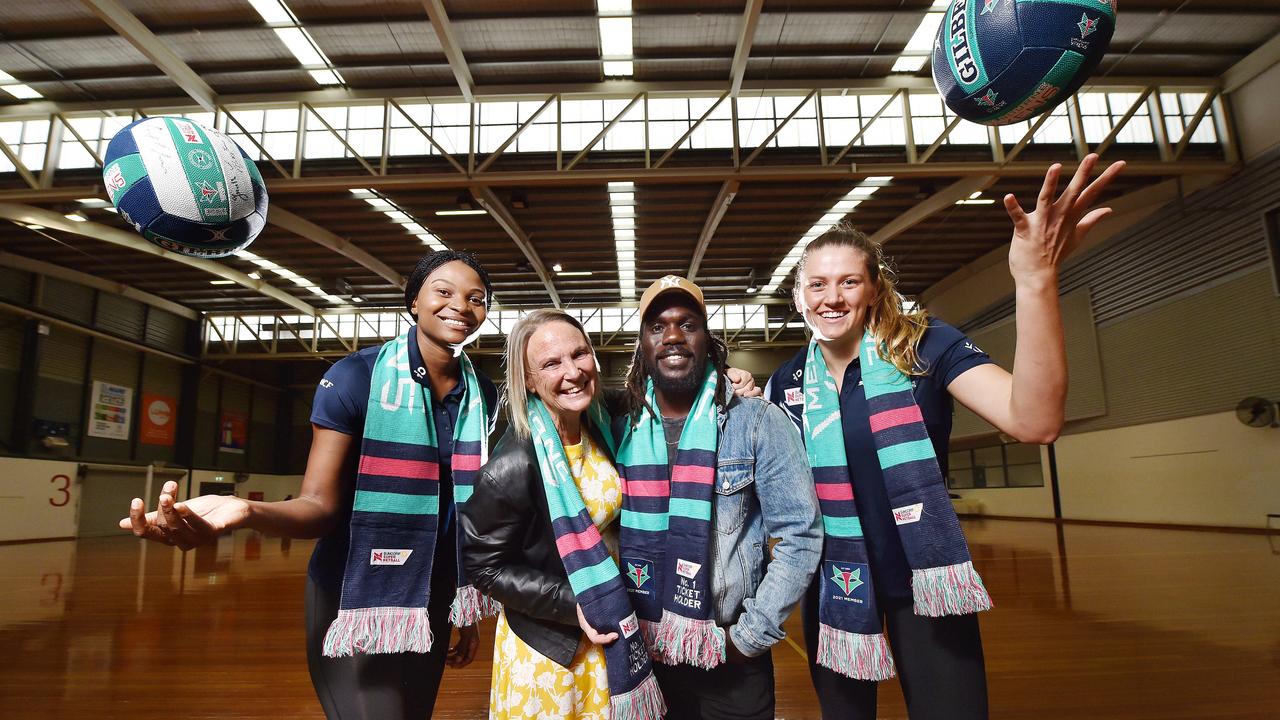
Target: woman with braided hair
x=398, y=433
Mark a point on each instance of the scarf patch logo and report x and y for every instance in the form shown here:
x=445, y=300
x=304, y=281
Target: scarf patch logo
x=908, y=514
x=389, y=557
x=638, y=573
x=630, y=625
x=851, y=579
x=684, y=568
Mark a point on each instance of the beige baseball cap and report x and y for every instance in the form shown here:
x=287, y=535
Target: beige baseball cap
x=667, y=284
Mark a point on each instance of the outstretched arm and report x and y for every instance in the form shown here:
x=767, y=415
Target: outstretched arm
x=200, y=520
x=1029, y=404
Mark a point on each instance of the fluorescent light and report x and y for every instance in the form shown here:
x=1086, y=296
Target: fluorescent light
x=624, y=223
x=615, y=37
x=222, y=282
x=628, y=245
x=301, y=281
x=22, y=92
x=284, y=272
x=272, y=11
x=619, y=68
x=461, y=212
x=379, y=203
x=362, y=193
x=326, y=77
x=357, y=299
x=76, y=216
x=621, y=186
x=91, y=201
x=574, y=273
x=255, y=275
x=614, y=7
x=909, y=63
x=315, y=290
x=7, y=78
x=398, y=216
x=619, y=198
x=413, y=227
x=299, y=43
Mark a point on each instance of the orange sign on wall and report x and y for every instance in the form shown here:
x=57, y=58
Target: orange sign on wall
x=159, y=418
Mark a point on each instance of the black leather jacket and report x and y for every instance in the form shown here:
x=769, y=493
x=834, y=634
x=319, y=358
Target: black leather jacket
x=509, y=550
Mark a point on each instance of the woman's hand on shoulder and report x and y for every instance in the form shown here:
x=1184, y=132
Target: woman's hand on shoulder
x=743, y=382
x=1043, y=238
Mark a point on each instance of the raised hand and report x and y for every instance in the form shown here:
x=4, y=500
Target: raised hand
x=744, y=384
x=198, y=521
x=1042, y=239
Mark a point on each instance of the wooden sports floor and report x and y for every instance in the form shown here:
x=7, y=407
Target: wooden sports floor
x=1090, y=622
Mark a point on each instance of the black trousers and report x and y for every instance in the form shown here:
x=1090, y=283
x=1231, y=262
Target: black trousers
x=733, y=691
x=939, y=663
x=400, y=686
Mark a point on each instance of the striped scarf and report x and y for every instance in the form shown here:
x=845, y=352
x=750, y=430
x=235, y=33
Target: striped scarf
x=394, y=520
x=666, y=531
x=593, y=575
x=943, y=580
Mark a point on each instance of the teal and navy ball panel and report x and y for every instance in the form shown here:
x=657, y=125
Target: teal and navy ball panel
x=185, y=188
x=1003, y=61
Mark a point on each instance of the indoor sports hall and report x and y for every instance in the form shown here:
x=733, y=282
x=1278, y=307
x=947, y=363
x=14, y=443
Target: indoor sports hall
x=582, y=150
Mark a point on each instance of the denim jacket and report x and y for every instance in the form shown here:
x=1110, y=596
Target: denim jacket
x=763, y=489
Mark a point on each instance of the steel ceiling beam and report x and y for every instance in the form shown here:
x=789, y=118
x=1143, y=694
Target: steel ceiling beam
x=728, y=191
x=742, y=51
x=106, y=233
x=941, y=200
x=449, y=43
x=501, y=215
x=20, y=262
x=303, y=227
x=608, y=89
x=144, y=41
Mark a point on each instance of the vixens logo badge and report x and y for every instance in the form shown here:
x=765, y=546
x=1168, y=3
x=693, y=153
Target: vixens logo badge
x=1087, y=25
x=989, y=5
x=988, y=99
x=638, y=574
x=847, y=579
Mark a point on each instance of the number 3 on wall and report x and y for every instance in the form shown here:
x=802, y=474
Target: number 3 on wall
x=65, y=491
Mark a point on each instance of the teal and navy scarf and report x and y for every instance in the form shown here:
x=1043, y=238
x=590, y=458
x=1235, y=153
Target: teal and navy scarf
x=666, y=531
x=387, y=582
x=943, y=580
x=593, y=574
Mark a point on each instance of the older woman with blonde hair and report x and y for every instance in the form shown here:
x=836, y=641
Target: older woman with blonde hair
x=539, y=535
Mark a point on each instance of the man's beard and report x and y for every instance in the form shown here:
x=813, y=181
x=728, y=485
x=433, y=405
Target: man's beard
x=678, y=385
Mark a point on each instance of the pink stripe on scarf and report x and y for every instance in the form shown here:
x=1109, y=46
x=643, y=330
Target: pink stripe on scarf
x=412, y=469
x=646, y=488
x=699, y=474
x=466, y=462
x=834, y=491
x=577, y=541
x=894, y=418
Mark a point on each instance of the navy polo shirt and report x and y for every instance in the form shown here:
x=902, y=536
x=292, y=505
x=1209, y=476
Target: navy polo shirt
x=945, y=354
x=341, y=400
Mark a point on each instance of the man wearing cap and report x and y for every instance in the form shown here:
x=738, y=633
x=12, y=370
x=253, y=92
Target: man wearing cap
x=708, y=478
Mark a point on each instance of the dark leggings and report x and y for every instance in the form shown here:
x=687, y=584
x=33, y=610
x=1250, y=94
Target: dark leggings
x=400, y=686
x=939, y=663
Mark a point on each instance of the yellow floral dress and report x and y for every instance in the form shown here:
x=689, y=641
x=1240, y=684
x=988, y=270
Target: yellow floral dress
x=525, y=683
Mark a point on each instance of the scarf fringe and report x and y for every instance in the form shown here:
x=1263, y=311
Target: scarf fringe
x=470, y=606
x=645, y=702
x=856, y=655
x=949, y=590
x=649, y=631
x=378, y=630
x=679, y=639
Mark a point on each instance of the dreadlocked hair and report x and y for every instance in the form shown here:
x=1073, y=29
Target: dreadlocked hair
x=897, y=331
x=431, y=262
x=638, y=377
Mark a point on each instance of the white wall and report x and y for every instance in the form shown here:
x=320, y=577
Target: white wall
x=1034, y=502
x=33, y=502
x=1256, y=105
x=1206, y=470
